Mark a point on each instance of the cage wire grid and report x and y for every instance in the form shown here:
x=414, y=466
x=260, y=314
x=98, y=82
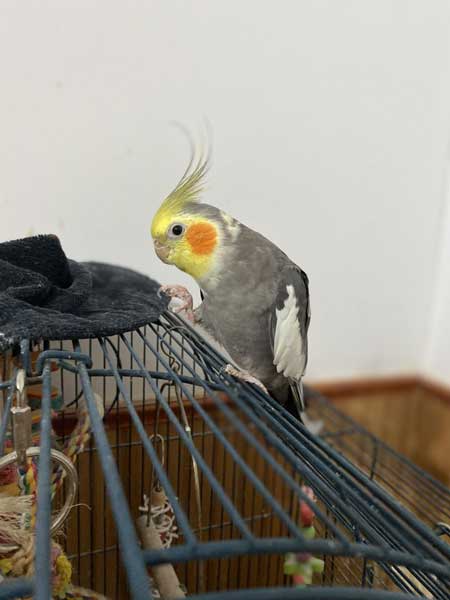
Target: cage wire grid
x=375, y=512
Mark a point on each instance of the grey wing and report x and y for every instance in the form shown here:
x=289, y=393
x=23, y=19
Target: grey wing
x=288, y=328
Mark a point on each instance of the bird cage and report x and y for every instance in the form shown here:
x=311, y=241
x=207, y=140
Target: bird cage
x=189, y=483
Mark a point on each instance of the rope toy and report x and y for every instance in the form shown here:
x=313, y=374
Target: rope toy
x=161, y=513
x=157, y=529
x=302, y=566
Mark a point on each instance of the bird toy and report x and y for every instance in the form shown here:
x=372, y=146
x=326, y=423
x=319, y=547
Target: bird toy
x=18, y=490
x=158, y=529
x=302, y=566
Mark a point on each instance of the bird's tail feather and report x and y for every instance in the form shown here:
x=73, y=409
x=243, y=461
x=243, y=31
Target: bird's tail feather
x=298, y=396
x=296, y=406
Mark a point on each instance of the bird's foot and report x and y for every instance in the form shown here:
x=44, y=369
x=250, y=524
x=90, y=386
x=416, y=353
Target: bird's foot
x=180, y=299
x=244, y=376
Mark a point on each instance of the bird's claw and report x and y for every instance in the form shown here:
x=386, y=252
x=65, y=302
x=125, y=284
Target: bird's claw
x=243, y=376
x=178, y=292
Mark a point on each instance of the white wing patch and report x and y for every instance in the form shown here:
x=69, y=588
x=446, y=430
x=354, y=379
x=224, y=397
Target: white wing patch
x=289, y=357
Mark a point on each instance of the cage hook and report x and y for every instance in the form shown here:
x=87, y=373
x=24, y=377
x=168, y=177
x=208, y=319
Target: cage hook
x=188, y=338
x=156, y=485
x=21, y=420
x=442, y=528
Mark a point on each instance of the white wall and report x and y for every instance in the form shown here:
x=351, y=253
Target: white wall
x=437, y=360
x=331, y=126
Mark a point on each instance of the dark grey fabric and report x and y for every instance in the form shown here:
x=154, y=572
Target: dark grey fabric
x=43, y=295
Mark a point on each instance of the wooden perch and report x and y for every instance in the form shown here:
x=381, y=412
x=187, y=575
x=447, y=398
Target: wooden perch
x=164, y=576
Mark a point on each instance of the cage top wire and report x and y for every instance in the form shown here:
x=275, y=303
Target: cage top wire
x=357, y=515
x=416, y=489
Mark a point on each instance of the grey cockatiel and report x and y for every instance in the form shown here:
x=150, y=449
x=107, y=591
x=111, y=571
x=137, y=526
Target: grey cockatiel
x=255, y=299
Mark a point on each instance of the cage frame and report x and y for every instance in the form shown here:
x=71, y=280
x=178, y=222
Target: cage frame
x=410, y=543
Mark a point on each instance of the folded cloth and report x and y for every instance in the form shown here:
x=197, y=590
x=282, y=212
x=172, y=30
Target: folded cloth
x=45, y=296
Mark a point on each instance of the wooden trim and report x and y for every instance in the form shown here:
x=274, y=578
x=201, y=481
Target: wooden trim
x=440, y=390
x=64, y=424
x=337, y=390
x=347, y=388
x=368, y=385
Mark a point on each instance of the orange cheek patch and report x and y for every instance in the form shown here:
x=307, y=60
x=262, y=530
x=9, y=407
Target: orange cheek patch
x=202, y=238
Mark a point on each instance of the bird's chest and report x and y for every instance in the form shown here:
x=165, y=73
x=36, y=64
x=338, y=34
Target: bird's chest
x=242, y=329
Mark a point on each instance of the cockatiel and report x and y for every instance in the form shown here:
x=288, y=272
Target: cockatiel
x=255, y=300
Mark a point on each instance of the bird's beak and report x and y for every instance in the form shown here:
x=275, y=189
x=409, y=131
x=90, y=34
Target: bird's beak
x=162, y=251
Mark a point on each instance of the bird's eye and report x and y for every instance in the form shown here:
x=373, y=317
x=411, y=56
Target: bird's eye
x=176, y=230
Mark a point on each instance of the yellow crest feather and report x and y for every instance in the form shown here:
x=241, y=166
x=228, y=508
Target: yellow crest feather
x=187, y=191
x=190, y=186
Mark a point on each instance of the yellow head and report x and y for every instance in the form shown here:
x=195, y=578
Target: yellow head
x=181, y=234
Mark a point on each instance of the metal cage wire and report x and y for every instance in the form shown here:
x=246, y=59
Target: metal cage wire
x=233, y=472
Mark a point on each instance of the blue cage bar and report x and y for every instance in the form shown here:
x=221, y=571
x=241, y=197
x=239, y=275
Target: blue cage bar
x=232, y=470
